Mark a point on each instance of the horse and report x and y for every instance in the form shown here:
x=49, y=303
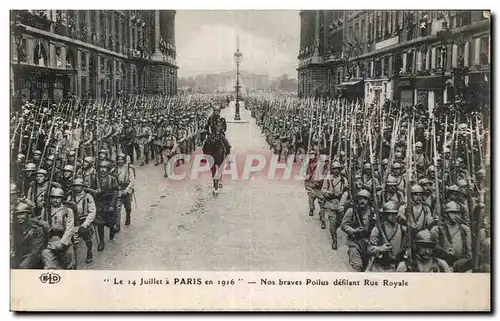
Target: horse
x=215, y=148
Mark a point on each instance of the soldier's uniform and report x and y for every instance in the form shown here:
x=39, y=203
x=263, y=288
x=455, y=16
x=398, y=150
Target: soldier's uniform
x=455, y=238
x=169, y=148
x=128, y=140
x=86, y=213
x=126, y=179
x=37, y=193
x=420, y=214
x=334, y=186
x=357, y=224
x=29, y=238
x=59, y=252
x=144, y=138
x=106, y=189
x=313, y=183
x=386, y=259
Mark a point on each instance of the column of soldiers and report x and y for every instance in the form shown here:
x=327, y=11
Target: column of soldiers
x=408, y=187
x=73, y=169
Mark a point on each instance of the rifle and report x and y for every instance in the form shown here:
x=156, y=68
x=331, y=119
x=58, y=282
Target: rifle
x=409, y=245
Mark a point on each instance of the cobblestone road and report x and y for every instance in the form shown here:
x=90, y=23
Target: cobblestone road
x=256, y=224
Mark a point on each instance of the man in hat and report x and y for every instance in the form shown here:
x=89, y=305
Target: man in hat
x=59, y=252
x=454, y=194
x=367, y=179
x=87, y=172
x=86, y=213
x=29, y=175
x=420, y=214
x=391, y=192
x=357, y=223
x=169, y=148
x=334, y=186
x=29, y=238
x=67, y=178
x=313, y=181
x=420, y=159
x=217, y=124
x=126, y=179
x=105, y=189
x=425, y=259
x=128, y=138
x=429, y=195
x=397, y=172
x=455, y=238
x=38, y=191
x=144, y=138
x=386, y=242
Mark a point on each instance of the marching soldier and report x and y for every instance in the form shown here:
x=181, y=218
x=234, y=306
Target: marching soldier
x=367, y=179
x=391, y=192
x=357, y=223
x=105, y=188
x=144, y=138
x=126, y=178
x=426, y=260
x=59, y=252
x=455, y=238
x=386, y=242
x=38, y=191
x=420, y=214
x=86, y=213
x=128, y=140
x=29, y=238
x=169, y=148
x=334, y=186
x=29, y=176
x=313, y=181
x=67, y=178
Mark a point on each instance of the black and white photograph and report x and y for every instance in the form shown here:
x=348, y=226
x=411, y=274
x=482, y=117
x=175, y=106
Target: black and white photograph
x=250, y=140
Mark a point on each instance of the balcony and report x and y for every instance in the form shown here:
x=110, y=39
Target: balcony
x=35, y=21
x=62, y=30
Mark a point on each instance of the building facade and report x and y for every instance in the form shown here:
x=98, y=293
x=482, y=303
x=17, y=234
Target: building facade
x=409, y=56
x=226, y=81
x=94, y=54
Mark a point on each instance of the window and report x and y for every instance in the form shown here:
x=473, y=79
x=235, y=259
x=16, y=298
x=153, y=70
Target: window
x=409, y=61
x=84, y=61
x=461, y=55
x=378, y=68
x=370, y=28
x=406, y=97
x=463, y=18
x=439, y=57
x=484, y=51
x=386, y=67
x=398, y=64
x=59, y=61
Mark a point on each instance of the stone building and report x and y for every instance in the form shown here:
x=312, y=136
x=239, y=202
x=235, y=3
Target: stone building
x=226, y=81
x=409, y=56
x=95, y=54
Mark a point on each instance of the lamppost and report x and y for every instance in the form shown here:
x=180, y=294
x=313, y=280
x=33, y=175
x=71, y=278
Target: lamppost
x=238, y=57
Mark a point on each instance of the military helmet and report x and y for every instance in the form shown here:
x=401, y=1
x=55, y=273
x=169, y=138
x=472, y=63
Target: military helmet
x=51, y=157
x=425, y=237
x=424, y=181
x=68, y=168
x=358, y=176
x=103, y=151
x=453, y=189
x=367, y=166
x=105, y=163
x=417, y=189
x=77, y=182
x=42, y=172
x=336, y=165
x=37, y=152
x=364, y=193
x=120, y=155
x=431, y=168
x=390, y=207
x=24, y=206
x=56, y=192
x=391, y=180
x=89, y=159
x=397, y=166
x=451, y=207
x=30, y=167
x=72, y=153
x=462, y=183
x=419, y=144
x=385, y=161
x=398, y=155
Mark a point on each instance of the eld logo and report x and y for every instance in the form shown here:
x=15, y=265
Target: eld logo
x=50, y=278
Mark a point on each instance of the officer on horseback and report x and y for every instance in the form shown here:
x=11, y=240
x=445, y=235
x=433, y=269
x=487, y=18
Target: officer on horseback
x=217, y=125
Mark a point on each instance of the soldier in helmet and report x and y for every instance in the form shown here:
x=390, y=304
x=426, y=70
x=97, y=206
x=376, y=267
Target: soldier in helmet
x=105, y=188
x=126, y=179
x=29, y=238
x=420, y=158
x=37, y=158
x=334, y=186
x=38, y=191
x=429, y=195
x=88, y=172
x=391, y=192
x=454, y=194
x=128, y=138
x=425, y=259
x=455, y=238
x=67, y=178
x=217, y=124
x=367, y=179
x=29, y=174
x=59, y=252
x=420, y=214
x=86, y=212
x=386, y=242
x=397, y=173
x=169, y=148
x=144, y=138
x=357, y=224
x=313, y=181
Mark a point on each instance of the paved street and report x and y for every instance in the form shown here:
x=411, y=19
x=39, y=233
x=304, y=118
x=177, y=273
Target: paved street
x=256, y=224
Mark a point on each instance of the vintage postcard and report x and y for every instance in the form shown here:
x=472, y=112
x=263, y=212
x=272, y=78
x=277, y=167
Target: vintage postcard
x=250, y=160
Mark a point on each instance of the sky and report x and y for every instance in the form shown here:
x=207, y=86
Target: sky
x=206, y=41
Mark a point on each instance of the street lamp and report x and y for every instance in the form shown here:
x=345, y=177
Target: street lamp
x=238, y=57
